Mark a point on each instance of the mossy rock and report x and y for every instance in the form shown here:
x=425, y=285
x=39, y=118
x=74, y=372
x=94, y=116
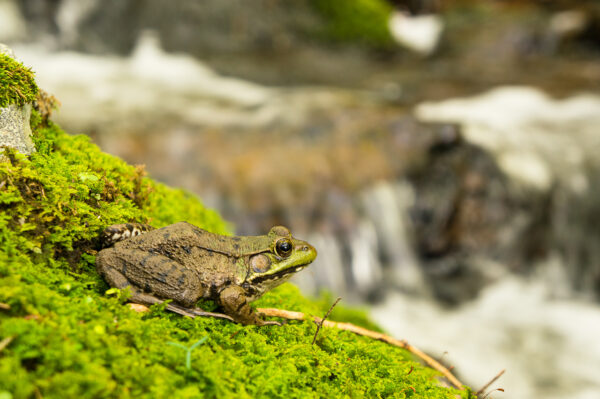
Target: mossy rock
x=18, y=83
x=71, y=336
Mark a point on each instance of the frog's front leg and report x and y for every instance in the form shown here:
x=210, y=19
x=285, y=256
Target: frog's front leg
x=158, y=274
x=234, y=301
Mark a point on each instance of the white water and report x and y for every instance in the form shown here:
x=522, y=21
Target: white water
x=549, y=347
x=152, y=86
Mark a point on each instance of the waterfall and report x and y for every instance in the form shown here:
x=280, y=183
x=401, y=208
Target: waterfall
x=388, y=206
x=375, y=254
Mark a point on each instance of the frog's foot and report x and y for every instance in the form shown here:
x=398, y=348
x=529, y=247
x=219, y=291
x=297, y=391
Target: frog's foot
x=119, y=232
x=234, y=301
x=145, y=299
x=195, y=312
x=262, y=322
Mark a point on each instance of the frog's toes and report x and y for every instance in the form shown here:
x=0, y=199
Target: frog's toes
x=181, y=311
x=261, y=322
x=200, y=312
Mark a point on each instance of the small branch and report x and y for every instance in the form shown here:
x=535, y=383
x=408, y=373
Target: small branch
x=490, y=392
x=486, y=386
x=4, y=306
x=5, y=342
x=431, y=362
x=235, y=333
x=319, y=325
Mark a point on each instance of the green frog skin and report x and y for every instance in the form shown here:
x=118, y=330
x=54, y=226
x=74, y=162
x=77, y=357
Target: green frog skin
x=184, y=263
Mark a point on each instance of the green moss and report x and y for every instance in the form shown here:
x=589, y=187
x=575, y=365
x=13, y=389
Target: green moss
x=72, y=339
x=17, y=84
x=363, y=21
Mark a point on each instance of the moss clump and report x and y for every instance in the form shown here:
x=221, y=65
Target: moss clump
x=72, y=337
x=18, y=84
x=363, y=21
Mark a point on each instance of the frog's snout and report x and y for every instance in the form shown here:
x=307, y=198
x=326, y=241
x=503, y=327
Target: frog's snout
x=311, y=251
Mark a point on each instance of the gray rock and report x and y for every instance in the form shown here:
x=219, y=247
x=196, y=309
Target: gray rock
x=15, y=131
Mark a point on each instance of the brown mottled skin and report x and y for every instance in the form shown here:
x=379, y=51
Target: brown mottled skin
x=185, y=263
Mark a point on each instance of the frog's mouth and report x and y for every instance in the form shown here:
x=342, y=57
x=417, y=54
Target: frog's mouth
x=285, y=273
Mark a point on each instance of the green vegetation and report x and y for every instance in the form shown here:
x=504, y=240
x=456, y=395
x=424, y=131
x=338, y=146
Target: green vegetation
x=18, y=84
x=71, y=336
x=362, y=21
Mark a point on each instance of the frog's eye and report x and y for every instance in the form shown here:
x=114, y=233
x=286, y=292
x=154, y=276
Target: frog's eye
x=283, y=247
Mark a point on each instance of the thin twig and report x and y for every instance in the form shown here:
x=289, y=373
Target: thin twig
x=4, y=306
x=494, y=390
x=490, y=383
x=5, y=342
x=319, y=325
x=431, y=362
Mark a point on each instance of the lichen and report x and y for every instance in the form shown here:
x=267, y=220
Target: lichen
x=358, y=21
x=72, y=337
x=17, y=83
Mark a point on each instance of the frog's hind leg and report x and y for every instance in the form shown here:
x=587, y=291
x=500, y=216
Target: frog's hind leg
x=119, y=232
x=108, y=262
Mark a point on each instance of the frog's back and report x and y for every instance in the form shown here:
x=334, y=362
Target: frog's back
x=211, y=256
x=185, y=234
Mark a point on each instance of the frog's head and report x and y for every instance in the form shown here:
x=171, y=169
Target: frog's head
x=286, y=255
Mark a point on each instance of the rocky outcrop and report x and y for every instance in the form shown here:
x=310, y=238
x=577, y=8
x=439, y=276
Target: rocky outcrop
x=548, y=151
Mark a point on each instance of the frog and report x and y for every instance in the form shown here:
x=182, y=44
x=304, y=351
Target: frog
x=184, y=264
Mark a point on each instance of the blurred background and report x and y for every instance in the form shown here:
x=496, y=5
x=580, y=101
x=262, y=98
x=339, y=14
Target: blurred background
x=443, y=156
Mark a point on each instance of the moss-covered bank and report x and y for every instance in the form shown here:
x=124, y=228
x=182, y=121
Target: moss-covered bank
x=73, y=337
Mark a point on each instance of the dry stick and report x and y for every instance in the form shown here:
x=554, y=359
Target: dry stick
x=4, y=306
x=492, y=391
x=286, y=314
x=319, y=325
x=4, y=343
x=490, y=383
